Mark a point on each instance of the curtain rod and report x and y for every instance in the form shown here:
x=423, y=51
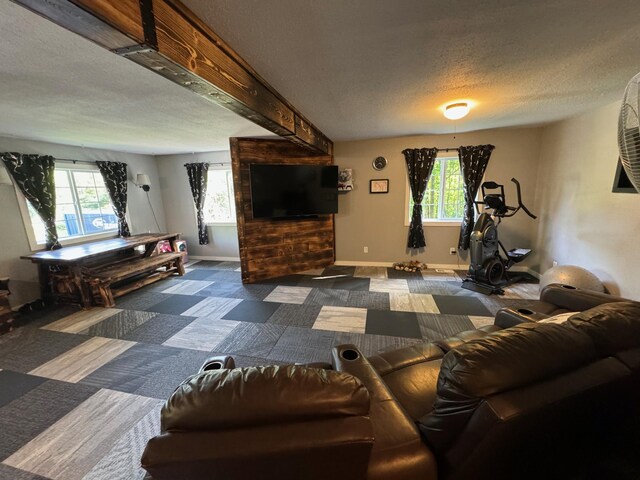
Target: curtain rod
x=448, y=149
x=73, y=161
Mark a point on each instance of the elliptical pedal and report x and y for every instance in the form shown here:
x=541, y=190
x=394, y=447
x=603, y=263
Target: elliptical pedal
x=518, y=254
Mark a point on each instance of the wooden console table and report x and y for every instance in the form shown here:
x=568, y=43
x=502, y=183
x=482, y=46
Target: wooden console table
x=86, y=273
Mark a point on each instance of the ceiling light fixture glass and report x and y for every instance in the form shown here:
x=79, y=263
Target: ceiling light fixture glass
x=456, y=111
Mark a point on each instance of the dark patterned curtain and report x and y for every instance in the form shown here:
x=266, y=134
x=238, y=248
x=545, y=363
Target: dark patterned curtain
x=197, y=173
x=473, y=163
x=114, y=175
x=34, y=175
x=420, y=163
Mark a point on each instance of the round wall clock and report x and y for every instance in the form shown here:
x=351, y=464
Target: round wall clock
x=379, y=163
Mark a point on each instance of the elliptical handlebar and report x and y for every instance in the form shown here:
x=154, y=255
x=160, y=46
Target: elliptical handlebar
x=520, y=204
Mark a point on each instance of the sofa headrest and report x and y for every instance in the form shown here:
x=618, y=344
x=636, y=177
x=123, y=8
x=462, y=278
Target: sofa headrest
x=513, y=357
x=263, y=395
x=612, y=327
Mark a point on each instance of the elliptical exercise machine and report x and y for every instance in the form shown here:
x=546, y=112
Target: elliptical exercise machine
x=488, y=270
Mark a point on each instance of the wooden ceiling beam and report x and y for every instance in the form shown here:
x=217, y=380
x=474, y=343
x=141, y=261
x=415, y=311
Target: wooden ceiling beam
x=167, y=38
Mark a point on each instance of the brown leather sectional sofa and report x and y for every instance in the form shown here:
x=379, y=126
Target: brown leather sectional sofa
x=532, y=400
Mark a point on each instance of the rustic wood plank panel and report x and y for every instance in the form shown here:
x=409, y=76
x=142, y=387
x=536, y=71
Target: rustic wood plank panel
x=273, y=248
x=180, y=41
x=88, y=24
x=124, y=15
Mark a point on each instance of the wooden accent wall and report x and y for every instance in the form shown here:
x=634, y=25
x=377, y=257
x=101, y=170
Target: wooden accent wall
x=167, y=38
x=273, y=248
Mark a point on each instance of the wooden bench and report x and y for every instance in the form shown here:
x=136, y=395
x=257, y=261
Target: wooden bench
x=6, y=314
x=107, y=282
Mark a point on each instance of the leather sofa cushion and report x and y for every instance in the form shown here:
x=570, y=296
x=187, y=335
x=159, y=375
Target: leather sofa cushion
x=262, y=395
x=613, y=327
x=463, y=337
x=509, y=359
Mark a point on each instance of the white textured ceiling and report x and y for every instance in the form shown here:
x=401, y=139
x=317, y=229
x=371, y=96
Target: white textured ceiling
x=376, y=68
x=58, y=87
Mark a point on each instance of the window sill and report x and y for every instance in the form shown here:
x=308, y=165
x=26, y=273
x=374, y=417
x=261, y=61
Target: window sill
x=439, y=223
x=222, y=224
x=75, y=240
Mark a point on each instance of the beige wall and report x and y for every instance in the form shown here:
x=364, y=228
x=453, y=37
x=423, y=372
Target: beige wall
x=378, y=221
x=181, y=212
x=13, y=237
x=581, y=221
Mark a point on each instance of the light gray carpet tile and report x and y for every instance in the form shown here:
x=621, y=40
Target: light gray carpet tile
x=341, y=319
x=27, y=348
x=212, y=307
x=283, y=294
x=289, y=314
x=162, y=382
x=227, y=276
x=188, y=287
x=433, y=287
x=413, y=302
x=325, y=296
x=435, y=327
x=123, y=460
x=395, y=285
x=120, y=324
x=251, y=339
x=371, y=344
x=202, y=334
x=139, y=300
x=72, y=446
x=303, y=345
x=26, y=417
x=371, y=300
x=10, y=473
x=159, y=328
x=75, y=364
x=220, y=289
x=81, y=320
x=371, y=272
x=131, y=369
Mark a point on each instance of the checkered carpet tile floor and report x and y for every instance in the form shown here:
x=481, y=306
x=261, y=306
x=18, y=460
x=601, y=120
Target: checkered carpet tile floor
x=80, y=391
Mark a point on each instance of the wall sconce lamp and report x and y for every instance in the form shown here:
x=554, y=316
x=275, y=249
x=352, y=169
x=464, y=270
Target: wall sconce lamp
x=142, y=180
x=5, y=178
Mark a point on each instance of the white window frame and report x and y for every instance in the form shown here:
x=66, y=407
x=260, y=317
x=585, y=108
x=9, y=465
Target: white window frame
x=26, y=218
x=232, y=198
x=432, y=222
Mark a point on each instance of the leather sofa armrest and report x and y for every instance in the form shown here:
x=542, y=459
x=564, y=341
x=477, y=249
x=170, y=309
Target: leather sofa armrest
x=398, y=451
x=217, y=363
x=394, y=360
x=509, y=317
x=576, y=299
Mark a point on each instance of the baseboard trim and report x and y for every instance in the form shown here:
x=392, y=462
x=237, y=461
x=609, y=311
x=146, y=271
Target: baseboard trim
x=218, y=259
x=444, y=266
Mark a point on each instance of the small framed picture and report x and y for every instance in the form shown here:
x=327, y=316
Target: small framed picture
x=379, y=185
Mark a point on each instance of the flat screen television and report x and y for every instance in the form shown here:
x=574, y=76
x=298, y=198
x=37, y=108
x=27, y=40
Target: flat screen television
x=281, y=191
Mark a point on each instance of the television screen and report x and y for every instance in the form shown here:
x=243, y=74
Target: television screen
x=279, y=191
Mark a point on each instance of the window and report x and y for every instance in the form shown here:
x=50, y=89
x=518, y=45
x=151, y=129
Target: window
x=83, y=206
x=220, y=205
x=444, y=198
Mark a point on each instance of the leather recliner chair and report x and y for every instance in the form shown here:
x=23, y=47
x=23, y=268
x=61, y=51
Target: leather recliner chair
x=502, y=403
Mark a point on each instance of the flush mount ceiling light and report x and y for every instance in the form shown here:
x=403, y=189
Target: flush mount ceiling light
x=456, y=111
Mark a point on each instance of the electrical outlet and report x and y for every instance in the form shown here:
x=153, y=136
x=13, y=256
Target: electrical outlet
x=452, y=251
x=555, y=263
x=365, y=249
